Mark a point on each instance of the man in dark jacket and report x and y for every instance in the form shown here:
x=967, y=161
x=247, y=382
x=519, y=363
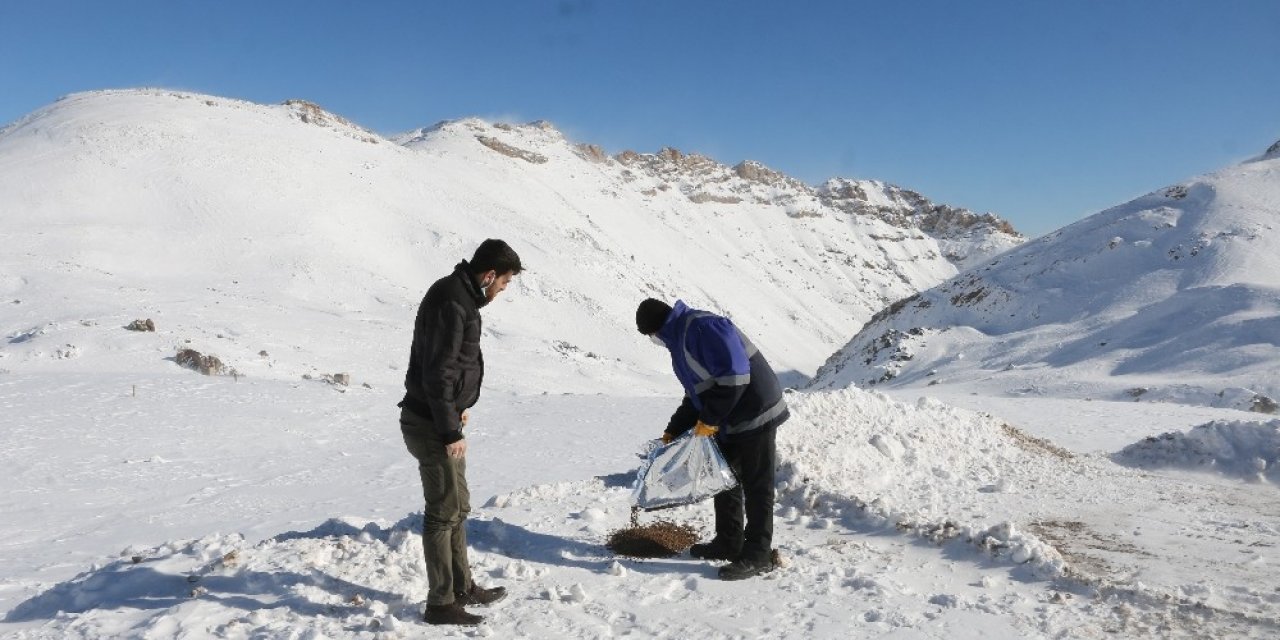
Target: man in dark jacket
x=443, y=381
x=732, y=394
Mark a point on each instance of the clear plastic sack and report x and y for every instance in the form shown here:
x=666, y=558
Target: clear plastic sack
x=688, y=470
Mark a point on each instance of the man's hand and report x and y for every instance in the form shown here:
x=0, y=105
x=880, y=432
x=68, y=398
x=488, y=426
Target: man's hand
x=704, y=430
x=465, y=415
x=667, y=437
x=456, y=450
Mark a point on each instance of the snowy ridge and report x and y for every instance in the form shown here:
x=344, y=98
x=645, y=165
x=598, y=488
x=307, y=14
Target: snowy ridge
x=967, y=237
x=1179, y=284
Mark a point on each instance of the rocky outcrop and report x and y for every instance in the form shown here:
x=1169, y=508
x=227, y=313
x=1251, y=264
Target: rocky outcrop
x=907, y=209
x=209, y=365
x=592, y=152
x=141, y=325
x=514, y=152
x=312, y=113
x=753, y=171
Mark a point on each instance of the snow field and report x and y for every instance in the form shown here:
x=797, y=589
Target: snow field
x=348, y=578
x=918, y=519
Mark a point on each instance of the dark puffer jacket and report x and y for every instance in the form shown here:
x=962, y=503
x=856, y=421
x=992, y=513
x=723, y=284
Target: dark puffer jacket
x=445, y=363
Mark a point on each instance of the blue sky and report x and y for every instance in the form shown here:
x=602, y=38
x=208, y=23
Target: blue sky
x=1043, y=112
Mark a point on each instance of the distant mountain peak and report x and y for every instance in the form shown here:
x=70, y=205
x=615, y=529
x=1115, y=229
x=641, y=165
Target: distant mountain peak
x=1272, y=152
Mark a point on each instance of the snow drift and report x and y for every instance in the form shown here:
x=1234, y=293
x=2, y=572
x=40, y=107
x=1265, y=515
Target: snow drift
x=1248, y=450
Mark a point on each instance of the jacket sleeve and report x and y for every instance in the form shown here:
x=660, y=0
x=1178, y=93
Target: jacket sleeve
x=717, y=347
x=440, y=371
x=683, y=419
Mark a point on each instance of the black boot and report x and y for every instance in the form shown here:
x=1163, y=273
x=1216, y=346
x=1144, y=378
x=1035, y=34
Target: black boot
x=451, y=613
x=717, y=549
x=743, y=568
x=479, y=596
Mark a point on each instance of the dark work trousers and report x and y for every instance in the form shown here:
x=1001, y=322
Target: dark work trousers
x=753, y=459
x=444, y=487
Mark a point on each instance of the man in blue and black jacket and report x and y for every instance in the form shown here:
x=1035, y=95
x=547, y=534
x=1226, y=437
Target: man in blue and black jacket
x=733, y=395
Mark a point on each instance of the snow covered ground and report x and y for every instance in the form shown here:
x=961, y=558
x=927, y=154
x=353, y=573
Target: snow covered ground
x=209, y=507
x=144, y=500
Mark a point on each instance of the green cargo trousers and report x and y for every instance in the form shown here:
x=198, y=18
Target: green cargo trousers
x=448, y=501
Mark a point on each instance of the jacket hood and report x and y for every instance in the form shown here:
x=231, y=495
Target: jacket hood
x=463, y=271
x=670, y=328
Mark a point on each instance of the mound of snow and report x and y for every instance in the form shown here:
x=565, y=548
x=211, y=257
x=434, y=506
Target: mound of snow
x=929, y=468
x=1245, y=449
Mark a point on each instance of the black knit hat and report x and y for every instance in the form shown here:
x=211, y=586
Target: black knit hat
x=651, y=315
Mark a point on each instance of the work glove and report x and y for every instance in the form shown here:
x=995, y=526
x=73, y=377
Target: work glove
x=704, y=430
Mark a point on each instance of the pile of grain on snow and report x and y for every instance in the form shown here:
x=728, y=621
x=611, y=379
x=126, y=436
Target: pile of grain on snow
x=1246, y=449
x=661, y=539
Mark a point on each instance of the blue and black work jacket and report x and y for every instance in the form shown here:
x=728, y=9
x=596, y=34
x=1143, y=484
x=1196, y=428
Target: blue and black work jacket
x=727, y=381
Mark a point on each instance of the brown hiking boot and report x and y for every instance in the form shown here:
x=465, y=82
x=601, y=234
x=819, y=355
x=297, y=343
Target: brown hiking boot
x=479, y=596
x=451, y=613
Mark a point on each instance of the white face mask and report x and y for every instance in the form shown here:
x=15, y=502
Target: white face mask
x=658, y=341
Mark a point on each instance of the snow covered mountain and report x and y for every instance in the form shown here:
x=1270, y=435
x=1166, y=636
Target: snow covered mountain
x=1173, y=296
x=203, y=212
